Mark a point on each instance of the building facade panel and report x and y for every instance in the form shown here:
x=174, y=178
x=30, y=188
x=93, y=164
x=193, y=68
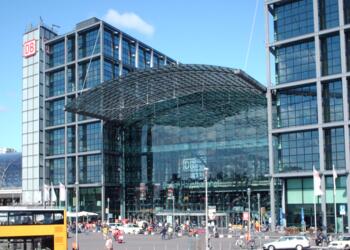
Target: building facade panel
x=321, y=57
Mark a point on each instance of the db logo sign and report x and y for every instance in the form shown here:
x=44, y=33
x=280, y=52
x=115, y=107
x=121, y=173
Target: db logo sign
x=29, y=48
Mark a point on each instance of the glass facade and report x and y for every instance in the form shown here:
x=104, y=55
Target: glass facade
x=334, y=149
x=296, y=151
x=328, y=13
x=91, y=78
x=56, y=173
x=332, y=96
x=88, y=43
x=90, y=169
x=330, y=55
x=160, y=157
x=55, y=142
x=11, y=170
x=89, y=137
x=56, y=83
x=56, y=54
x=128, y=52
x=293, y=18
x=295, y=106
x=295, y=62
x=346, y=4
x=55, y=112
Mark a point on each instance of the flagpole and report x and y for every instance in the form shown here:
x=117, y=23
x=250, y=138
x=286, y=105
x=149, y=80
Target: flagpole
x=334, y=200
x=315, y=215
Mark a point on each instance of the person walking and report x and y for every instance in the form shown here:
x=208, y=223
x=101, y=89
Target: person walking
x=109, y=244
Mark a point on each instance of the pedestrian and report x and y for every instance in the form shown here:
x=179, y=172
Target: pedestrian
x=109, y=244
x=105, y=232
x=163, y=232
x=74, y=246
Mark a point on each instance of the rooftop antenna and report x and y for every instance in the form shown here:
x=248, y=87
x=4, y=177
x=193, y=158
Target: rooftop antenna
x=41, y=21
x=53, y=26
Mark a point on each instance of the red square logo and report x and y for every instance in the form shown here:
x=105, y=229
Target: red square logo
x=29, y=48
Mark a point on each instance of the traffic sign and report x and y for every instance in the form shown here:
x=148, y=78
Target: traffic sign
x=211, y=212
x=245, y=216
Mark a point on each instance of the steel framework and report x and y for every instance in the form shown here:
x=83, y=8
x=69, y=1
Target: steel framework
x=182, y=95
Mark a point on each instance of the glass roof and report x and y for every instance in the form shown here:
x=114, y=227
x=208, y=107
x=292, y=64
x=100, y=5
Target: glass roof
x=10, y=170
x=201, y=94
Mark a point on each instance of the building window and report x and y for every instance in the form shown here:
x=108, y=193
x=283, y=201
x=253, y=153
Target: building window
x=56, y=54
x=71, y=79
x=55, y=111
x=158, y=60
x=330, y=55
x=55, y=142
x=71, y=173
x=90, y=169
x=296, y=151
x=347, y=47
x=295, y=106
x=93, y=77
x=293, y=18
x=328, y=14
x=332, y=99
x=88, y=43
x=128, y=55
x=346, y=11
x=144, y=58
x=89, y=137
x=56, y=83
x=71, y=49
x=56, y=170
x=116, y=47
x=334, y=148
x=295, y=62
x=70, y=115
x=108, y=70
x=70, y=140
x=108, y=44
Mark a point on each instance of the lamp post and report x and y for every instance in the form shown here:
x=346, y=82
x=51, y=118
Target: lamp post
x=76, y=215
x=248, y=193
x=259, y=211
x=173, y=198
x=206, y=209
x=108, y=210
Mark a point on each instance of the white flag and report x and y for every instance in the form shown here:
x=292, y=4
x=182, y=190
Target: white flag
x=62, y=192
x=53, y=194
x=317, y=183
x=335, y=176
x=46, y=195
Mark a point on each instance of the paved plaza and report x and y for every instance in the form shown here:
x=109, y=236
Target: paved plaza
x=94, y=241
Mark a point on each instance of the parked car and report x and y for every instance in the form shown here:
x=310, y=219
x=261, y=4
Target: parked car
x=297, y=242
x=342, y=243
x=131, y=229
x=113, y=226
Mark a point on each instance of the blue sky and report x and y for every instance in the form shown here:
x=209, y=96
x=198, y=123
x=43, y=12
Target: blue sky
x=208, y=32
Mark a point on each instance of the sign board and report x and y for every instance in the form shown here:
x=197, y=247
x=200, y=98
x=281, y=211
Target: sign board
x=245, y=216
x=29, y=48
x=211, y=212
x=170, y=191
x=342, y=210
x=107, y=210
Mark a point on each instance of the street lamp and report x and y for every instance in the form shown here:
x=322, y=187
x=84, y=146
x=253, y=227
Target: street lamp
x=206, y=209
x=248, y=192
x=259, y=211
x=76, y=215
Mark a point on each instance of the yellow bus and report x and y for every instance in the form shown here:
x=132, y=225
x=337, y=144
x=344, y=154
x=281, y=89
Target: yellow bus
x=33, y=228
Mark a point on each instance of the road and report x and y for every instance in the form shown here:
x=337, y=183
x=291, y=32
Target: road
x=95, y=241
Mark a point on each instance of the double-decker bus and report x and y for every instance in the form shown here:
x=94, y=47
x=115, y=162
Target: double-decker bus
x=33, y=228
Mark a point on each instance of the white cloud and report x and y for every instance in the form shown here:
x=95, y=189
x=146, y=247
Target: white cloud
x=129, y=20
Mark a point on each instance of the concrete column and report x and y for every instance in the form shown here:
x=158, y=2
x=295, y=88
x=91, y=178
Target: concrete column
x=269, y=119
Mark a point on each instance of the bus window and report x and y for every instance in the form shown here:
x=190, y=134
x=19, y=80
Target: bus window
x=3, y=219
x=43, y=218
x=58, y=218
x=20, y=218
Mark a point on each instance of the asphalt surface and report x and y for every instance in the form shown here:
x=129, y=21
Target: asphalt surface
x=95, y=241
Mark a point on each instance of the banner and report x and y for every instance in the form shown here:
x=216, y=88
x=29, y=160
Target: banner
x=62, y=192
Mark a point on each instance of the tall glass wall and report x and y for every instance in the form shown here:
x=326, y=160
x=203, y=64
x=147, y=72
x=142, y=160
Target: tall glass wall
x=161, y=157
